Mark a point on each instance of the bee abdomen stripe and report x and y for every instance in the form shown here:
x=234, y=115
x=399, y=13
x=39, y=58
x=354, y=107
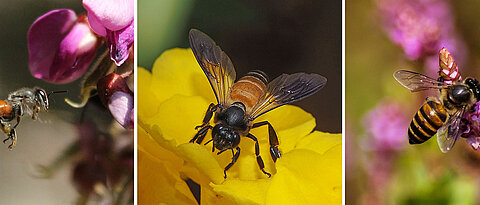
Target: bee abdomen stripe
x=433, y=119
x=424, y=125
x=420, y=134
x=259, y=75
x=412, y=138
x=438, y=115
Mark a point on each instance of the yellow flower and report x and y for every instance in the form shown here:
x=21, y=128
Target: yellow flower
x=173, y=99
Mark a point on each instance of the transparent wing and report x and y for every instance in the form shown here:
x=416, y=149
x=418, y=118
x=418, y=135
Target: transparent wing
x=286, y=89
x=416, y=81
x=448, y=134
x=216, y=65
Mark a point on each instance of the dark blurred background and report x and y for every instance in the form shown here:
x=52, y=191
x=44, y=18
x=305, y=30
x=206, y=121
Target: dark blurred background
x=41, y=141
x=273, y=36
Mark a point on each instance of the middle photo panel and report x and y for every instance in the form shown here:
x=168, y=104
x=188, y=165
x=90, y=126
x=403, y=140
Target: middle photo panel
x=239, y=102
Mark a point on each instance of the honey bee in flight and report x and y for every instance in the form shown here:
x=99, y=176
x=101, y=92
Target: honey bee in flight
x=440, y=115
x=240, y=102
x=18, y=103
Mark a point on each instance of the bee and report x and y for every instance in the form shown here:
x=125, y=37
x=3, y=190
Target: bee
x=240, y=102
x=28, y=101
x=440, y=115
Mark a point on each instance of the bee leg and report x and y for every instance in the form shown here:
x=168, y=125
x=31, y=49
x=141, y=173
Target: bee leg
x=13, y=137
x=211, y=109
x=272, y=136
x=208, y=142
x=201, y=134
x=18, y=121
x=234, y=159
x=257, y=153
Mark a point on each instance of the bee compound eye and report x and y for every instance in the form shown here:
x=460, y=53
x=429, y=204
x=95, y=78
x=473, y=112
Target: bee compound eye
x=460, y=94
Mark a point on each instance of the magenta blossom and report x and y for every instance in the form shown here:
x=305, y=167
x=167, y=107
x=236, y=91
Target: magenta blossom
x=61, y=46
x=117, y=96
x=114, y=20
x=420, y=27
x=387, y=127
x=471, y=127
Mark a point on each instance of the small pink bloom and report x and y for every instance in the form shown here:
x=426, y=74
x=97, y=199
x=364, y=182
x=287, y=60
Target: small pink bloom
x=61, y=46
x=471, y=127
x=387, y=127
x=110, y=15
x=420, y=27
x=121, y=107
x=113, y=19
x=115, y=94
x=119, y=43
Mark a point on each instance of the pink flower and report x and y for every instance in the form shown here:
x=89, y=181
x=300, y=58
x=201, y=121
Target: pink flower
x=420, y=27
x=61, y=46
x=387, y=127
x=116, y=95
x=471, y=127
x=113, y=19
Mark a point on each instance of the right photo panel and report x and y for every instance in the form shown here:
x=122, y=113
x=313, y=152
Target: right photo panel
x=239, y=102
x=412, y=102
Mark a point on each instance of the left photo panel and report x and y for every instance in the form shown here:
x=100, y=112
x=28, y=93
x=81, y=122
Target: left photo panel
x=67, y=102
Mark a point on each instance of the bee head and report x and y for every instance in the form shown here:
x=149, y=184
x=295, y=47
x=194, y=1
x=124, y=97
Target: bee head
x=225, y=137
x=42, y=98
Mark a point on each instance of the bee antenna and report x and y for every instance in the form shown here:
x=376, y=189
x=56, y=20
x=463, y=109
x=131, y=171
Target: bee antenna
x=58, y=91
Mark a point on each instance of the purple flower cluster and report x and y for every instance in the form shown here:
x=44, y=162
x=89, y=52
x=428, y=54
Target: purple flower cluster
x=387, y=127
x=420, y=27
x=471, y=127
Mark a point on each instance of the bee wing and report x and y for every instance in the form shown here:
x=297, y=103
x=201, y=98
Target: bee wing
x=448, y=134
x=416, y=81
x=216, y=65
x=286, y=89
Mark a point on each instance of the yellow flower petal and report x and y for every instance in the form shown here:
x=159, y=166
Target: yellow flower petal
x=160, y=184
x=298, y=125
x=203, y=160
x=175, y=72
x=319, y=142
x=208, y=196
x=244, y=192
x=177, y=118
x=148, y=145
x=306, y=177
x=177, y=96
x=149, y=103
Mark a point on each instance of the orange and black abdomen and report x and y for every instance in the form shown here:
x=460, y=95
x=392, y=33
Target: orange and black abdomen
x=426, y=122
x=249, y=88
x=5, y=108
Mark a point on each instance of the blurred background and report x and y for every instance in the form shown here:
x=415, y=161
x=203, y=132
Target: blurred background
x=273, y=36
x=47, y=140
x=383, y=36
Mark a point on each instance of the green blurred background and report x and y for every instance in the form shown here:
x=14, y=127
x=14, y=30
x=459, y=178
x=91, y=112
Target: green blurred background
x=274, y=36
x=421, y=174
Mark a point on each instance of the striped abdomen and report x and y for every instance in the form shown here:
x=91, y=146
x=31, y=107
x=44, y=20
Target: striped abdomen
x=249, y=88
x=5, y=108
x=426, y=122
